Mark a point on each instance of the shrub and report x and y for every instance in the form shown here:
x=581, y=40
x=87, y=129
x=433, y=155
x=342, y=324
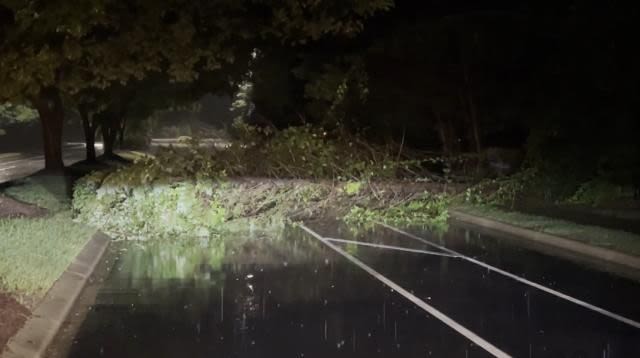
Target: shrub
x=352, y=188
x=158, y=210
x=308, y=152
x=502, y=191
x=595, y=192
x=429, y=210
x=181, y=191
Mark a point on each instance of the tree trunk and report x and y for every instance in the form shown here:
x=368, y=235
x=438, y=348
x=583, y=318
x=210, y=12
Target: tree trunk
x=109, y=140
x=475, y=128
x=121, y=129
x=109, y=127
x=443, y=134
x=49, y=106
x=89, y=134
x=471, y=110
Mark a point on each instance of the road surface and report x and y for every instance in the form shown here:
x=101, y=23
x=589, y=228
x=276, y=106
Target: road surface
x=323, y=291
x=17, y=165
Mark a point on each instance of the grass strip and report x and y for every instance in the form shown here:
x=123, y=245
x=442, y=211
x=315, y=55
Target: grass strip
x=35, y=252
x=593, y=235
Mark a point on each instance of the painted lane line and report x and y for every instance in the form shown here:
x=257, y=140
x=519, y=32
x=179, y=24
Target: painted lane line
x=390, y=247
x=546, y=289
x=490, y=348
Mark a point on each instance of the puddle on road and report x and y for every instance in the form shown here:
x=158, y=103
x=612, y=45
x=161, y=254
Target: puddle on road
x=520, y=319
x=288, y=295
x=548, y=266
x=598, y=284
x=248, y=296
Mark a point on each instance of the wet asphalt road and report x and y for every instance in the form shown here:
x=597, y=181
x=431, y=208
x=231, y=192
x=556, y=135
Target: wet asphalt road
x=20, y=164
x=293, y=296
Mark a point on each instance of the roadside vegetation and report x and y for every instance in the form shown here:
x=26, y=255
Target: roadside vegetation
x=343, y=116
x=618, y=240
x=507, y=199
x=267, y=177
x=36, y=251
x=260, y=180
x=47, y=192
x=37, y=247
x=354, y=109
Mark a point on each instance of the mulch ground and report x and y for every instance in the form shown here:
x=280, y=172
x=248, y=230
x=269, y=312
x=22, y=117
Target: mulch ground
x=11, y=208
x=12, y=317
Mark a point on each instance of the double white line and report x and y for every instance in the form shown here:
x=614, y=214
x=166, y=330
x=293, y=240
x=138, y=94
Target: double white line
x=446, y=252
x=390, y=247
x=490, y=348
x=540, y=287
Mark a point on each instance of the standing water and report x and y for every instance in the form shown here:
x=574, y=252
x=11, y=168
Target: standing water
x=278, y=295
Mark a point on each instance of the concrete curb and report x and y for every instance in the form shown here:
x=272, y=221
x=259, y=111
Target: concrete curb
x=593, y=252
x=35, y=336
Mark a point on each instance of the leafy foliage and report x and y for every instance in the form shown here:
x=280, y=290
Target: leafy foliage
x=595, y=192
x=169, y=165
x=185, y=191
x=311, y=152
x=544, y=184
x=430, y=210
x=502, y=191
x=12, y=113
x=179, y=209
x=55, y=49
x=352, y=188
x=301, y=21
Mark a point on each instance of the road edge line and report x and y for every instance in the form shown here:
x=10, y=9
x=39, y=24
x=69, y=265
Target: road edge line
x=473, y=337
x=33, y=339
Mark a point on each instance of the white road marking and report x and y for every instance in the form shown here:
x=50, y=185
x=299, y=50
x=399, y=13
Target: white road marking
x=490, y=348
x=390, y=247
x=548, y=290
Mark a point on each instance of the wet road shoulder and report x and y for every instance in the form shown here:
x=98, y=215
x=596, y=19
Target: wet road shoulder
x=491, y=302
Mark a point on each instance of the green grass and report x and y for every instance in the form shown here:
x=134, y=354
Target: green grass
x=45, y=192
x=35, y=252
x=593, y=235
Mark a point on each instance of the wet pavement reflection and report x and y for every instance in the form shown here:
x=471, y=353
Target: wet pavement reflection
x=521, y=320
x=282, y=295
x=289, y=295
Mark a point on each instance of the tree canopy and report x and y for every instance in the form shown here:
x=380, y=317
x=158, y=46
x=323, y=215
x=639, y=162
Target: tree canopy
x=455, y=77
x=56, y=48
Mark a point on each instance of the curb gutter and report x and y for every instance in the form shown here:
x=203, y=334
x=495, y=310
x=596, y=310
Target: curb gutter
x=599, y=253
x=35, y=336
